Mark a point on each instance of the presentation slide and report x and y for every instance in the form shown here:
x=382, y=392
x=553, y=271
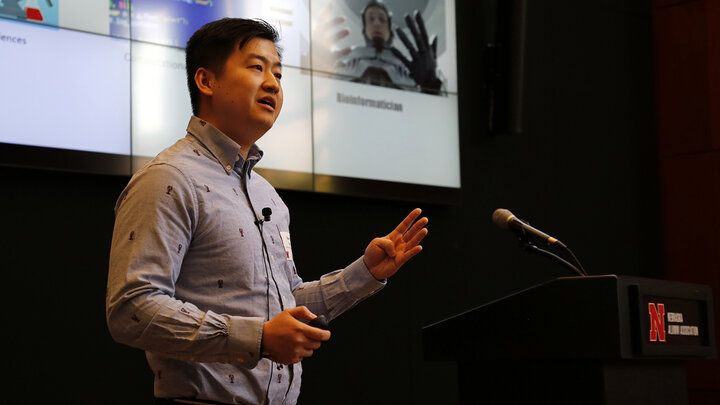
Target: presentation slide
x=375, y=99
x=172, y=22
x=164, y=22
x=64, y=89
x=81, y=15
x=160, y=100
x=33, y=11
x=84, y=15
x=387, y=134
x=373, y=118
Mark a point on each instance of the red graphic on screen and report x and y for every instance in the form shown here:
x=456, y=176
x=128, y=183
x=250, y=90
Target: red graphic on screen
x=33, y=14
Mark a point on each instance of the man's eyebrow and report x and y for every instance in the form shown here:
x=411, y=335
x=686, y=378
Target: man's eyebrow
x=264, y=60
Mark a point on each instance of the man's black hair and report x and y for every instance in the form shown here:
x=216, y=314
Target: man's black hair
x=211, y=46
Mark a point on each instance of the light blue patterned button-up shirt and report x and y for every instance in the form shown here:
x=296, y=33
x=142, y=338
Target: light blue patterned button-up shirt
x=194, y=274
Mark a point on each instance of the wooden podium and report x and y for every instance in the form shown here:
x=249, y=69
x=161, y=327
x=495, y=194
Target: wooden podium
x=609, y=339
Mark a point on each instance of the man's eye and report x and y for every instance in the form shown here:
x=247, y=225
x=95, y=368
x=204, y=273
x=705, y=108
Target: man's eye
x=258, y=67
x=278, y=75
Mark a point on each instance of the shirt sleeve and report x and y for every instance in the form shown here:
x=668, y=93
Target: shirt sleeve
x=338, y=291
x=155, y=218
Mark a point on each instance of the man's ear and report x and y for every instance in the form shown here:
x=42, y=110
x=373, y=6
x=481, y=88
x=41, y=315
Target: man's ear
x=204, y=80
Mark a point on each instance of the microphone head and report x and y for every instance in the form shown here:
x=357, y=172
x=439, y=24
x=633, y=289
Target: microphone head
x=502, y=217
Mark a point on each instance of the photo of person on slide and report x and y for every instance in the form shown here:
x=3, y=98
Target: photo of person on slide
x=378, y=61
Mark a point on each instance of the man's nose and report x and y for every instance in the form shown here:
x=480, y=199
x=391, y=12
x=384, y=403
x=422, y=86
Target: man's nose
x=271, y=83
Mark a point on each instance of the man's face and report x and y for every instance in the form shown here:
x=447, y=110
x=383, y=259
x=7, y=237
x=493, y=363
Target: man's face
x=248, y=94
x=376, y=24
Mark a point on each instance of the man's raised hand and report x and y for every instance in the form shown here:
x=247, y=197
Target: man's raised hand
x=328, y=32
x=385, y=255
x=423, y=54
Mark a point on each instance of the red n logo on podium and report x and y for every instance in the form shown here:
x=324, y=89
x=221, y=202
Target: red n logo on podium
x=657, y=322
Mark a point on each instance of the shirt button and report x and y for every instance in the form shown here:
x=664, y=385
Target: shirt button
x=228, y=167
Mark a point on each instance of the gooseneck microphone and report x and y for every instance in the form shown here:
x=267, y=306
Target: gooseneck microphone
x=506, y=220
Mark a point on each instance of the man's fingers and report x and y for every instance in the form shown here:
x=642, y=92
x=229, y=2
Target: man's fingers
x=287, y=339
x=336, y=21
x=407, y=222
x=341, y=52
x=400, y=56
x=409, y=255
x=311, y=333
x=433, y=46
x=297, y=357
x=325, y=13
x=301, y=312
x=386, y=245
x=313, y=345
x=416, y=35
x=339, y=35
x=417, y=238
x=423, y=32
x=315, y=334
x=410, y=47
x=417, y=227
x=325, y=27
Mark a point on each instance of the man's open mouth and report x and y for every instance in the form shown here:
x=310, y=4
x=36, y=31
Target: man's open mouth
x=267, y=101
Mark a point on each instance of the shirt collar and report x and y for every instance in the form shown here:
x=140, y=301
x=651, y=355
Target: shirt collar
x=224, y=149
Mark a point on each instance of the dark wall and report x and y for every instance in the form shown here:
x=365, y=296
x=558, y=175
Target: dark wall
x=687, y=42
x=585, y=170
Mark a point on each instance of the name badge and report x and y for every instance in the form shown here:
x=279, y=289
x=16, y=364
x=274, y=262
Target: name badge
x=285, y=236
